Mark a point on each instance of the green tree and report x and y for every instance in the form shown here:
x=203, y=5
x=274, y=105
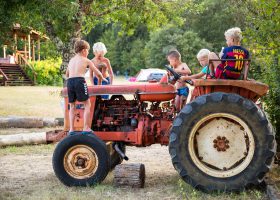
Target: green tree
x=66, y=20
x=263, y=38
x=162, y=41
x=213, y=18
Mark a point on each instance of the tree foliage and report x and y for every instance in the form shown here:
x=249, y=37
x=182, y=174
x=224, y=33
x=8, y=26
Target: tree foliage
x=162, y=41
x=211, y=22
x=263, y=38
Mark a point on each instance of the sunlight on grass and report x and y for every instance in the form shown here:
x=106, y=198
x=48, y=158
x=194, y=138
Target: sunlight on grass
x=27, y=149
x=39, y=101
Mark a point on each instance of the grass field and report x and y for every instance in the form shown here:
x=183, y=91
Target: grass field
x=37, y=101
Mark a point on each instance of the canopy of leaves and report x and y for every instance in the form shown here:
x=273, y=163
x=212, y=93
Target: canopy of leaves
x=263, y=38
x=187, y=43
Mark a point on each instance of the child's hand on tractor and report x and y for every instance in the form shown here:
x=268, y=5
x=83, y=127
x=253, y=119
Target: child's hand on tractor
x=104, y=79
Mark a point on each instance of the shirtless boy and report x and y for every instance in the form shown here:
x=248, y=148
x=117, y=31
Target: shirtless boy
x=174, y=59
x=76, y=84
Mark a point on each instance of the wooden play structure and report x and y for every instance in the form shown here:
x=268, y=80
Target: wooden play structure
x=25, y=45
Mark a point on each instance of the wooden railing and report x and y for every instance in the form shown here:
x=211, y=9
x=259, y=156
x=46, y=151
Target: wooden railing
x=5, y=78
x=23, y=62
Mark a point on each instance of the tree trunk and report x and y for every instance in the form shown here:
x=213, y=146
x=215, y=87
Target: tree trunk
x=67, y=53
x=132, y=175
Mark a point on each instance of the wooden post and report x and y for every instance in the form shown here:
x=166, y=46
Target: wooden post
x=25, y=50
x=4, y=50
x=33, y=50
x=39, y=57
x=15, y=41
x=29, y=47
x=132, y=175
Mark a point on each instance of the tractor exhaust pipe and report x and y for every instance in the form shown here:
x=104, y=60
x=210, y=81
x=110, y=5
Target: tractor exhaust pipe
x=116, y=147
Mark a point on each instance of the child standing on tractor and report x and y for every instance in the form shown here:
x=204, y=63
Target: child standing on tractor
x=76, y=84
x=232, y=69
x=174, y=59
x=203, y=57
x=103, y=65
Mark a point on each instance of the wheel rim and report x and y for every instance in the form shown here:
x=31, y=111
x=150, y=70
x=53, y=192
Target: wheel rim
x=221, y=145
x=80, y=161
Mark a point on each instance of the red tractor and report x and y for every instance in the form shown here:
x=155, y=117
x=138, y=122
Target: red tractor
x=220, y=141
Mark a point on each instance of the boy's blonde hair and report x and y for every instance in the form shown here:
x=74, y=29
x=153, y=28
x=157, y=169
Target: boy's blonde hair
x=234, y=33
x=203, y=53
x=81, y=45
x=99, y=47
x=174, y=54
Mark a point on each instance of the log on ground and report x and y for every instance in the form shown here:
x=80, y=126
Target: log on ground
x=23, y=139
x=132, y=175
x=21, y=122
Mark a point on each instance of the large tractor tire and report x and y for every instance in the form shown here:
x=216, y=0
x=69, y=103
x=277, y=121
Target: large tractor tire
x=222, y=142
x=81, y=160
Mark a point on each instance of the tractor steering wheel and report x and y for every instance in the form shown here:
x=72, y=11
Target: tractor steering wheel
x=176, y=75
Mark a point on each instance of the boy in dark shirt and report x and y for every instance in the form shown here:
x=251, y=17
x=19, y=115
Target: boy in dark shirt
x=232, y=69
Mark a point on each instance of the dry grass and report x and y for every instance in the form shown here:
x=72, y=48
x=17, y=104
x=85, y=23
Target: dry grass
x=26, y=173
x=39, y=101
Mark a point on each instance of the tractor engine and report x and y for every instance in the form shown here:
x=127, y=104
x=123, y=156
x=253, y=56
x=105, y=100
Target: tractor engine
x=116, y=114
x=119, y=114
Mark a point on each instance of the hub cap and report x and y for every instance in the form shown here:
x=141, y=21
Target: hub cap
x=80, y=161
x=221, y=145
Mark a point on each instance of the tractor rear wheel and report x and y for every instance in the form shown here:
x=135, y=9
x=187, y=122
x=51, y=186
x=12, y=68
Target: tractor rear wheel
x=81, y=160
x=222, y=142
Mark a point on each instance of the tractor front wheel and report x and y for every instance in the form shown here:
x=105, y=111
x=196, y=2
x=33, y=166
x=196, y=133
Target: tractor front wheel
x=81, y=160
x=222, y=142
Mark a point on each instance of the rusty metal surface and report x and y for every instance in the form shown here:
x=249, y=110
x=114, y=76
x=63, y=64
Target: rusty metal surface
x=55, y=135
x=152, y=88
x=253, y=86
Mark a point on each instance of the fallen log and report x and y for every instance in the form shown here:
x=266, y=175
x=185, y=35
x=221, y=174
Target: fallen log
x=20, y=122
x=132, y=175
x=32, y=138
x=23, y=139
x=29, y=122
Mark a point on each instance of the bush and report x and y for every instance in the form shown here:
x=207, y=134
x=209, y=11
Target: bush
x=270, y=75
x=48, y=72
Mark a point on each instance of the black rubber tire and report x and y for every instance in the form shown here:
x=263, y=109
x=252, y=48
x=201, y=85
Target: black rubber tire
x=115, y=158
x=94, y=143
x=252, y=115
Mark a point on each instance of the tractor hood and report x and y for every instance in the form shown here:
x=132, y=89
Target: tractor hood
x=145, y=92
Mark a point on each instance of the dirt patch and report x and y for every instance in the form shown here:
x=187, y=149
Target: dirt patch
x=27, y=176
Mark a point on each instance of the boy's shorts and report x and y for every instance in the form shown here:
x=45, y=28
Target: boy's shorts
x=183, y=91
x=95, y=82
x=77, y=89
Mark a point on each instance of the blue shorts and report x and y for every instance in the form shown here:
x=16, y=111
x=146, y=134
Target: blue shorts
x=183, y=91
x=95, y=82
